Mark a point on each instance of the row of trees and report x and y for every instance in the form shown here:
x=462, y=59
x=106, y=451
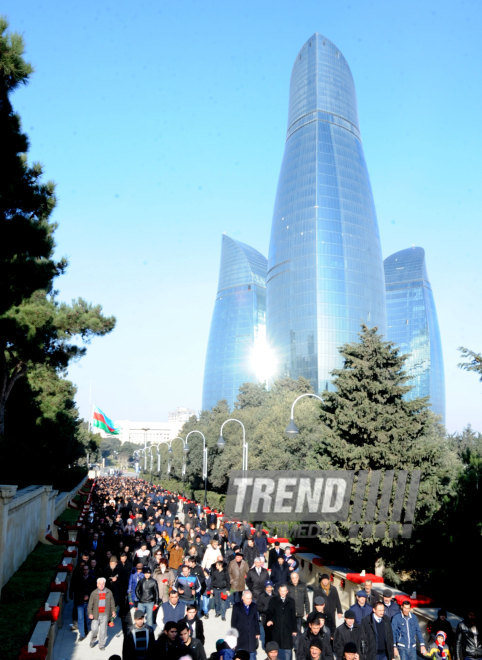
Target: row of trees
x=365, y=423
x=40, y=430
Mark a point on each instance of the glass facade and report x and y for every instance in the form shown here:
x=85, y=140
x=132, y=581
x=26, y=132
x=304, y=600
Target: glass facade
x=325, y=268
x=412, y=324
x=238, y=322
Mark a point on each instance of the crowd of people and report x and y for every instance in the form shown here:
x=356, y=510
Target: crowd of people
x=162, y=565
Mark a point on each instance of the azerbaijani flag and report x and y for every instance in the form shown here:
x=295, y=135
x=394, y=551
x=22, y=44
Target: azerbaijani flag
x=103, y=422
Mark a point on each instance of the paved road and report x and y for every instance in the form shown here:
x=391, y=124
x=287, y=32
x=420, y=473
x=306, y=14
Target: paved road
x=67, y=647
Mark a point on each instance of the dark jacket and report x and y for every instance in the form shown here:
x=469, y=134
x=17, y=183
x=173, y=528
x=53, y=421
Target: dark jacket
x=145, y=644
x=247, y=625
x=81, y=587
x=273, y=555
x=147, y=591
x=196, y=627
x=300, y=595
x=256, y=583
x=262, y=604
x=280, y=574
x=343, y=635
x=195, y=650
x=220, y=579
x=362, y=612
x=283, y=616
x=467, y=644
x=166, y=649
x=332, y=600
x=368, y=638
x=303, y=645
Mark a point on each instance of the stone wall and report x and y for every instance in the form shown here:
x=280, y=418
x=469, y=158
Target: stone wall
x=26, y=516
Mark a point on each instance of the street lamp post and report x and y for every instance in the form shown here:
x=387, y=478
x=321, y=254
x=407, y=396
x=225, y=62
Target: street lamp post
x=292, y=429
x=145, y=449
x=221, y=441
x=205, y=462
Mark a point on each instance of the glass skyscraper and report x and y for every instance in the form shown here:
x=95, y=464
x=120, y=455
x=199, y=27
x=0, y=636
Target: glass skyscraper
x=238, y=322
x=412, y=324
x=325, y=267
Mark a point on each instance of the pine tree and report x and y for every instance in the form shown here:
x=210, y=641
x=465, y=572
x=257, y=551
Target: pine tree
x=370, y=424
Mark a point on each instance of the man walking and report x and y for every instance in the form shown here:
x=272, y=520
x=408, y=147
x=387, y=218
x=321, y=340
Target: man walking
x=245, y=619
x=100, y=608
x=139, y=642
x=376, y=639
x=406, y=633
x=281, y=620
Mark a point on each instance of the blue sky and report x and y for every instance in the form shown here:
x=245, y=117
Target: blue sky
x=163, y=126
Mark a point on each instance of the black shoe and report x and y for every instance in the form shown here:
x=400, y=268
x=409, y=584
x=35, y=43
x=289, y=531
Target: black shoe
x=217, y=615
x=81, y=639
x=206, y=616
x=101, y=648
x=223, y=618
x=92, y=644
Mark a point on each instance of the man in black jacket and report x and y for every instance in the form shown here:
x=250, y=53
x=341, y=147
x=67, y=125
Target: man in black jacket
x=314, y=631
x=469, y=637
x=194, y=622
x=147, y=595
x=332, y=599
x=349, y=631
x=189, y=645
x=376, y=637
x=281, y=621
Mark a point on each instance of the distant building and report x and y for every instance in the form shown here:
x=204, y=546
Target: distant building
x=181, y=416
x=412, y=324
x=238, y=322
x=325, y=267
x=152, y=432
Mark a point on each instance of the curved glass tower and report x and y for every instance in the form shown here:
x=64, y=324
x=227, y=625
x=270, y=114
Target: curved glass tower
x=325, y=268
x=412, y=324
x=238, y=322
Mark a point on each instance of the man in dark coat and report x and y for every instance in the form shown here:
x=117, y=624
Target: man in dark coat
x=274, y=553
x=332, y=598
x=376, y=638
x=349, y=631
x=256, y=578
x=245, y=619
x=314, y=631
x=299, y=593
x=280, y=573
x=281, y=621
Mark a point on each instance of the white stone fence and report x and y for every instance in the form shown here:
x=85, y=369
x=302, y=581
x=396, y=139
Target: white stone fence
x=26, y=516
x=311, y=568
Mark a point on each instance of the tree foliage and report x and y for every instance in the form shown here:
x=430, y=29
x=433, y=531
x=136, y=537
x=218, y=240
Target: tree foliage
x=39, y=335
x=370, y=424
x=473, y=361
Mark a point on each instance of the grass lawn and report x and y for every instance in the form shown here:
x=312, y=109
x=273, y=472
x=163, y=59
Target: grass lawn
x=22, y=596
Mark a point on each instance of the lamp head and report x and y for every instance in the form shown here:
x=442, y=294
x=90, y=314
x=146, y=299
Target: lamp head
x=186, y=449
x=221, y=442
x=169, y=451
x=292, y=429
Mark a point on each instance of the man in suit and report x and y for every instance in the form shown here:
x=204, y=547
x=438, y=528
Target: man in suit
x=281, y=620
x=376, y=637
x=245, y=619
x=273, y=555
x=256, y=578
